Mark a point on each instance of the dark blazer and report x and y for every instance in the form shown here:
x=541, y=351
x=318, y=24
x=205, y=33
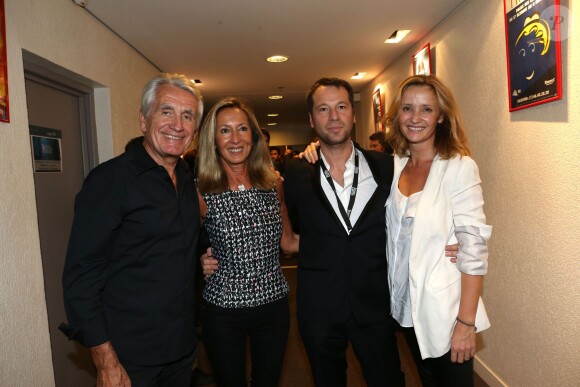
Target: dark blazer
x=339, y=275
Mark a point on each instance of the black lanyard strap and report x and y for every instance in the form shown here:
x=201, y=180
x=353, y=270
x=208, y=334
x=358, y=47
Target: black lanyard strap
x=353, y=189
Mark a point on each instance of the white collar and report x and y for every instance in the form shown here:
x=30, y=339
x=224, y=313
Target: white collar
x=350, y=160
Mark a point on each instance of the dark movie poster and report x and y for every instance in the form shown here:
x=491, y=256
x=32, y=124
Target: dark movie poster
x=533, y=50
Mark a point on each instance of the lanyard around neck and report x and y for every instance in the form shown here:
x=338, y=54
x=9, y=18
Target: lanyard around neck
x=353, y=189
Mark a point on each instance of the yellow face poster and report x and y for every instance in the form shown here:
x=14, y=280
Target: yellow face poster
x=533, y=53
x=4, y=112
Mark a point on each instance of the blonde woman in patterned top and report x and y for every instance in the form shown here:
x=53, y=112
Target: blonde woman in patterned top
x=243, y=209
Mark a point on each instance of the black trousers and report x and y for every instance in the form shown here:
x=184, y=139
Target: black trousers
x=439, y=371
x=225, y=333
x=174, y=374
x=375, y=347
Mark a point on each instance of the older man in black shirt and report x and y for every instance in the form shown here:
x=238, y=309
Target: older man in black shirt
x=128, y=279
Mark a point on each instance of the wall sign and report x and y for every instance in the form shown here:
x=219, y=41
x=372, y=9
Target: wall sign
x=378, y=110
x=46, y=149
x=4, y=109
x=533, y=52
x=422, y=61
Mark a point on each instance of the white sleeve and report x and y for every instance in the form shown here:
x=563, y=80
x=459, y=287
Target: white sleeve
x=469, y=219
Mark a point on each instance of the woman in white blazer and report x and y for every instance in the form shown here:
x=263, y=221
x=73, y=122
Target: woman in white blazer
x=436, y=200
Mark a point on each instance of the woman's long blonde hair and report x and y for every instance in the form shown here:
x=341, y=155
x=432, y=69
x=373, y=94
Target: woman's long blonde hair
x=210, y=173
x=450, y=135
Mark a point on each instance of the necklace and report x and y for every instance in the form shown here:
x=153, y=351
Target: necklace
x=241, y=187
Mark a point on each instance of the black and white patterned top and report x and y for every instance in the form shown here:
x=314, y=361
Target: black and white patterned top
x=244, y=229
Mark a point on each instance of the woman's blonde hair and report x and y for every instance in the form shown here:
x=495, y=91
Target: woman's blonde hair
x=211, y=177
x=450, y=135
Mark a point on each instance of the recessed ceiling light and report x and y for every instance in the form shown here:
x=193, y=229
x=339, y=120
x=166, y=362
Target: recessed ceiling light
x=272, y=123
x=273, y=115
x=397, y=36
x=277, y=59
x=275, y=97
x=358, y=76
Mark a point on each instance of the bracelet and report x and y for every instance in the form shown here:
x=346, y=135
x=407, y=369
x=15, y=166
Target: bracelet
x=467, y=324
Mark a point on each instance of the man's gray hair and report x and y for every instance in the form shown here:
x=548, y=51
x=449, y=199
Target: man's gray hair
x=180, y=81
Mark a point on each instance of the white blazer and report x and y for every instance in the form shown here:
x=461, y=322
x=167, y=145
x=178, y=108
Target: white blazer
x=451, y=201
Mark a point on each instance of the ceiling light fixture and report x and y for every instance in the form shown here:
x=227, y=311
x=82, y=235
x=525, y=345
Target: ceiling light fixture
x=397, y=36
x=358, y=76
x=277, y=59
x=275, y=97
x=272, y=123
x=273, y=115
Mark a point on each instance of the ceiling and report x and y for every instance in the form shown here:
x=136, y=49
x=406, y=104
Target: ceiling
x=225, y=43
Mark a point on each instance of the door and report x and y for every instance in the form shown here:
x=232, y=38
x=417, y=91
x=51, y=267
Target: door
x=55, y=106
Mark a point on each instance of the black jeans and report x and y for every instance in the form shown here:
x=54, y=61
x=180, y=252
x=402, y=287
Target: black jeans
x=225, y=332
x=174, y=374
x=439, y=371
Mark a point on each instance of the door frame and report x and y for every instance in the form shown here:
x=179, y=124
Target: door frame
x=45, y=72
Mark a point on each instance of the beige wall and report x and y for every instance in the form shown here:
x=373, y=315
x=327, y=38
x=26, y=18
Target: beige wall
x=530, y=165
x=64, y=34
x=293, y=135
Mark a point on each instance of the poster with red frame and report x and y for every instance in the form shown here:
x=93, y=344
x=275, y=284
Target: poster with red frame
x=378, y=110
x=4, y=110
x=534, y=58
x=422, y=61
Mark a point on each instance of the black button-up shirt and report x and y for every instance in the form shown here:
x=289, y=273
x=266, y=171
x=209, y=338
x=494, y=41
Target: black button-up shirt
x=131, y=258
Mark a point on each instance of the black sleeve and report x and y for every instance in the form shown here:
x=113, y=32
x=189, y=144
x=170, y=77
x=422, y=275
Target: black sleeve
x=97, y=218
x=291, y=170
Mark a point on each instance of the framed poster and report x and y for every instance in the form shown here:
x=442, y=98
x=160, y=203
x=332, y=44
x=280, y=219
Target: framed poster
x=46, y=149
x=378, y=110
x=422, y=61
x=4, y=109
x=534, y=59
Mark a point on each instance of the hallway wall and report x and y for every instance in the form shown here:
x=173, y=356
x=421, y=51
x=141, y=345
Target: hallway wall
x=66, y=35
x=530, y=166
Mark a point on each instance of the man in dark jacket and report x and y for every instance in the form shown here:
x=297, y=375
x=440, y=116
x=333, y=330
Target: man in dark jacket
x=337, y=207
x=128, y=278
